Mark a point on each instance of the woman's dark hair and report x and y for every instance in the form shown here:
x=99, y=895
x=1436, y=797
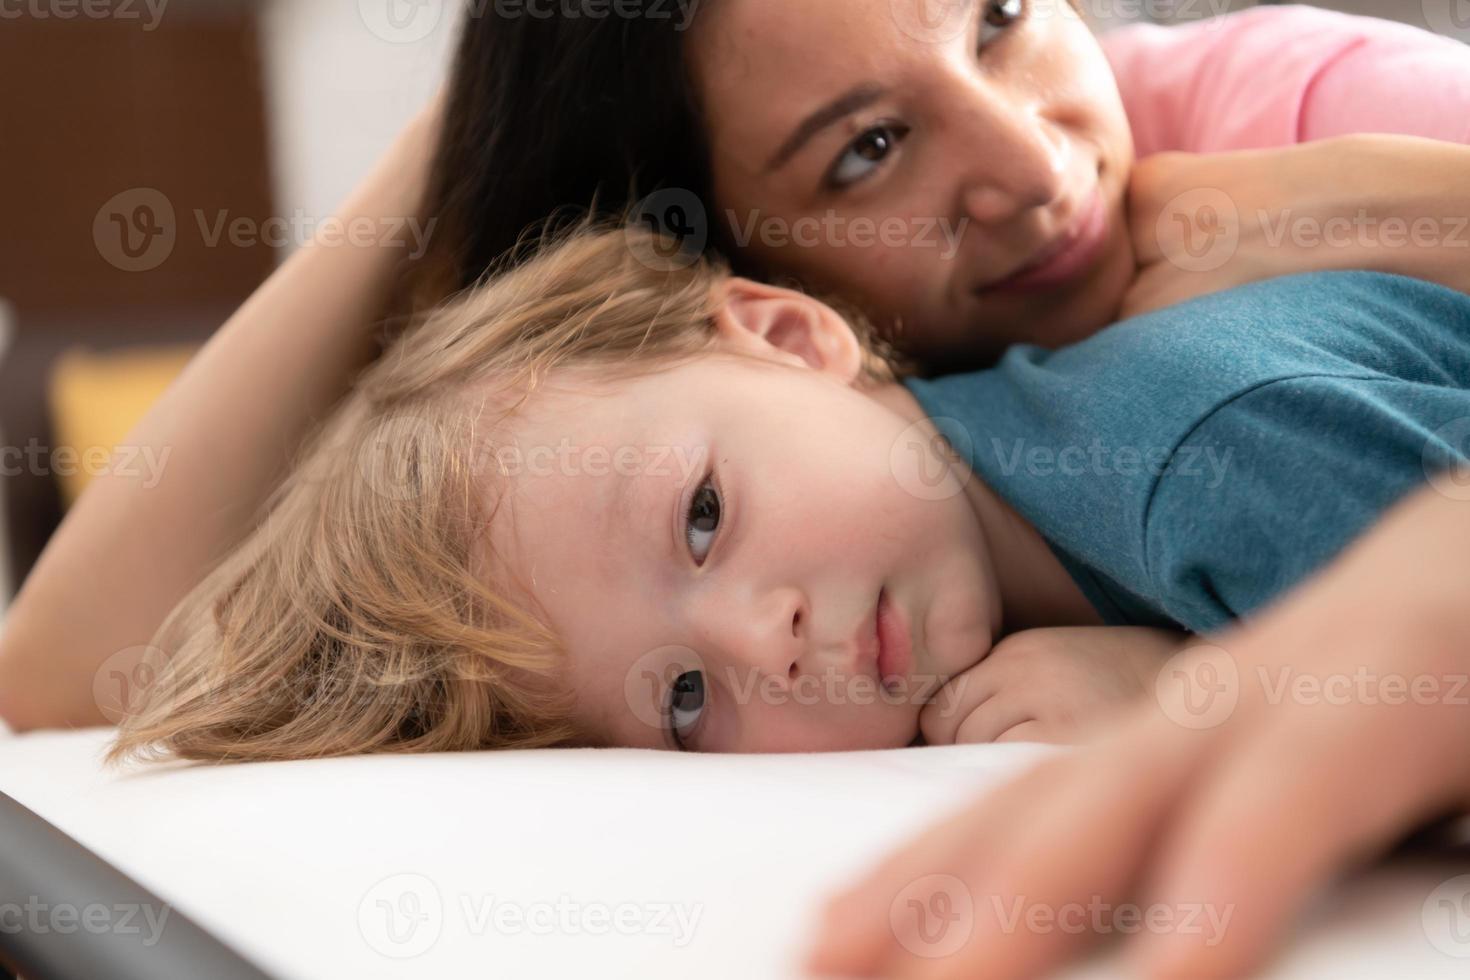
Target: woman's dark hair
x=551, y=117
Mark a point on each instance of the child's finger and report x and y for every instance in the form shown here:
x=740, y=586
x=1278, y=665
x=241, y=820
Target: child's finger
x=940, y=719
x=994, y=717
x=1029, y=730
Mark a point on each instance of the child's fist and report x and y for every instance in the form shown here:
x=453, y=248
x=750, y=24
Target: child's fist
x=1048, y=685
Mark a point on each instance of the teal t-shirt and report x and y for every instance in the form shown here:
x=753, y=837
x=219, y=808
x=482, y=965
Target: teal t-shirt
x=1190, y=465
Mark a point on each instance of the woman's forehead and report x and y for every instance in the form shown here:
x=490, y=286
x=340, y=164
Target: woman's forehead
x=762, y=66
x=812, y=46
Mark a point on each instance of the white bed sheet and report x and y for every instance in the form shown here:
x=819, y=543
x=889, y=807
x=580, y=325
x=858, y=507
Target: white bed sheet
x=399, y=867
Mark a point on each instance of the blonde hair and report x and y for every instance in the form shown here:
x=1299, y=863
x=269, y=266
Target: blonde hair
x=360, y=616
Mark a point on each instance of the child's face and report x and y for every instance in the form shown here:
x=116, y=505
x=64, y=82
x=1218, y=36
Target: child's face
x=726, y=527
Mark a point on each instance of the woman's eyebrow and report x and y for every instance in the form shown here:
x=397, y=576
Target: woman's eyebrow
x=839, y=108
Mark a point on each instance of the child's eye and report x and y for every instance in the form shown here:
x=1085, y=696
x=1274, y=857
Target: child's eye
x=702, y=521
x=863, y=155
x=685, y=706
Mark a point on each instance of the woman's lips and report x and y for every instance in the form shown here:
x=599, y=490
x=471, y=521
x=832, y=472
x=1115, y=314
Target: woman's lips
x=895, y=653
x=1074, y=251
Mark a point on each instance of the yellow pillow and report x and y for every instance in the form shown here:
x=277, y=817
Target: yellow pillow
x=96, y=398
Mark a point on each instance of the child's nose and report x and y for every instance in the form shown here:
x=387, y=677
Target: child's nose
x=768, y=632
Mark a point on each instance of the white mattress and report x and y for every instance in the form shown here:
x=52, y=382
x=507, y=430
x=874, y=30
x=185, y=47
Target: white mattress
x=704, y=866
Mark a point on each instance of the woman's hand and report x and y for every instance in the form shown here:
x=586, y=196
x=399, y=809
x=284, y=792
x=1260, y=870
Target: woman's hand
x=1049, y=685
x=1286, y=751
x=1201, y=223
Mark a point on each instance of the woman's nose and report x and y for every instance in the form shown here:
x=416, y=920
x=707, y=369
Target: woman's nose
x=1016, y=162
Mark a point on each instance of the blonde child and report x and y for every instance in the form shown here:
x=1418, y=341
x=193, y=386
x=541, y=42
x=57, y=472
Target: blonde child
x=612, y=499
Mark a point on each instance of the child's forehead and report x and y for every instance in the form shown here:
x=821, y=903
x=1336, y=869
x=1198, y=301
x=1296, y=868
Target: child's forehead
x=612, y=407
x=572, y=390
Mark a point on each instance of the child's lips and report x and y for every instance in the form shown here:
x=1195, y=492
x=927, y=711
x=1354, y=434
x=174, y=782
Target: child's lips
x=895, y=650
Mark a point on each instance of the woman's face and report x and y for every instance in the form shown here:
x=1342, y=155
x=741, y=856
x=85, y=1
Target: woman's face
x=958, y=166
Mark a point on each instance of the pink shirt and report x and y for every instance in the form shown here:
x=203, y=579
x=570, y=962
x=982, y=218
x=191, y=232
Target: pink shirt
x=1273, y=76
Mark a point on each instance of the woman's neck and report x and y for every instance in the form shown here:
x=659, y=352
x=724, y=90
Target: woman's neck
x=1034, y=588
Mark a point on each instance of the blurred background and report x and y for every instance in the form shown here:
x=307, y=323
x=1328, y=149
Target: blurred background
x=136, y=131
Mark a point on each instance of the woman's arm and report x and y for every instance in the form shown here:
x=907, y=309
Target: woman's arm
x=126, y=553
x=1204, y=223
x=1278, y=756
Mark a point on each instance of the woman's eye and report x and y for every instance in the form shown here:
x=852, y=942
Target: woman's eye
x=702, y=521
x=686, y=704
x=1000, y=14
x=864, y=154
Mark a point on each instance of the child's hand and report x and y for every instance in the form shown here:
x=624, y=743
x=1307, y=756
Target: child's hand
x=1048, y=685
x=1288, y=750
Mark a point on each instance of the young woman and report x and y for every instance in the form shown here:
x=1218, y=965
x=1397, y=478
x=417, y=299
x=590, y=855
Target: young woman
x=1013, y=125
x=972, y=182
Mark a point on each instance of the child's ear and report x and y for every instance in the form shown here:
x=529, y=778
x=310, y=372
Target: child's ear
x=763, y=319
